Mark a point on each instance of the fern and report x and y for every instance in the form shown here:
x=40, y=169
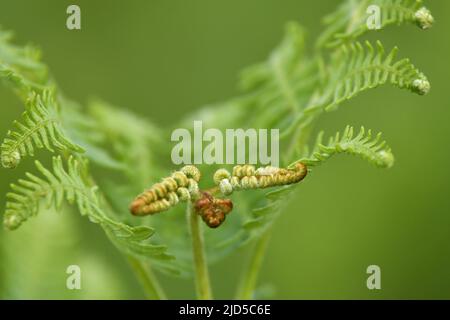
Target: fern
x=355, y=69
x=136, y=143
x=18, y=82
x=289, y=90
x=21, y=67
x=59, y=184
x=40, y=128
x=363, y=145
x=349, y=21
x=282, y=83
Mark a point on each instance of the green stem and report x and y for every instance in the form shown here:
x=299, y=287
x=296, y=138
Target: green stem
x=249, y=277
x=250, y=274
x=202, y=283
x=148, y=280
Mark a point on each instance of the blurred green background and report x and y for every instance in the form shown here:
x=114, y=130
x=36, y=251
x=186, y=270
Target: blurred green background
x=163, y=59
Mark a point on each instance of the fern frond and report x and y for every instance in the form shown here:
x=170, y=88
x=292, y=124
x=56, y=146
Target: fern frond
x=53, y=187
x=283, y=83
x=350, y=20
x=20, y=84
x=135, y=141
x=21, y=66
x=355, y=68
x=364, y=145
x=40, y=128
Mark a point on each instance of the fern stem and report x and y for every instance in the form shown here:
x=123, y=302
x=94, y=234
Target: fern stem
x=202, y=283
x=250, y=274
x=148, y=280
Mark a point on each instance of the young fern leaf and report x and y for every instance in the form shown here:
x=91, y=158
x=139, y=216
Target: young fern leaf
x=364, y=145
x=21, y=85
x=135, y=141
x=26, y=58
x=40, y=128
x=60, y=184
x=283, y=82
x=350, y=21
x=355, y=69
x=20, y=67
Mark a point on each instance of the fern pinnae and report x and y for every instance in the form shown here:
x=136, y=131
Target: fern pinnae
x=364, y=145
x=21, y=85
x=60, y=184
x=40, y=128
x=356, y=68
x=350, y=20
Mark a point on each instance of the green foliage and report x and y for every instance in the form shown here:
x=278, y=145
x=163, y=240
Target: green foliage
x=40, y=128
x=59, y=184
x=348, y=22
x=135, y=143
x=283, y=83
x=289, y=91
x=354, y=69
x=363, y=145
x=20, y=67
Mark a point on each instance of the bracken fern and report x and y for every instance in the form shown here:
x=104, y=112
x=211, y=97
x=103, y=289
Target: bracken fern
x=290, y=90
x=40, y=128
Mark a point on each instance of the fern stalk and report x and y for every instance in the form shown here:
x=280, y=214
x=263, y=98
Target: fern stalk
x=202, y=282
x=290, y=90
x=249, y=277
x=147, y=278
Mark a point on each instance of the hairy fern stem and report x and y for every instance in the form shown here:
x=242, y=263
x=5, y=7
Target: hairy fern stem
x=202, y=282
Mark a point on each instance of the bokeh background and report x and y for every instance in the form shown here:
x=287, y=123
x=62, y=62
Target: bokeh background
x=163, y=59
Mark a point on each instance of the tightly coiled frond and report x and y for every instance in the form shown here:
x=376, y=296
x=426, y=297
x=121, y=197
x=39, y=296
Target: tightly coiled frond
x=248, y=177
x=40, y=128
x=364, y=145
x=350, y=20
x=212, y=210
x=180, y=186
x=356, y=68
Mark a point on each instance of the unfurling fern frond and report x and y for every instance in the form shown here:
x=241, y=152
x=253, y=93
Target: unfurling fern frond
x=21, y=66
x=20, y=84
x=350, y=20
x=355, y=69
x=40, y=128
x=69, y=184
x=283, y=82
x=364, y=145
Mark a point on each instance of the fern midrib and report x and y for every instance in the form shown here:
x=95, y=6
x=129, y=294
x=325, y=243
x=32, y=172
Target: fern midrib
x=371, y=68
x=407, y=11
x=27, y=134
x=37, y=195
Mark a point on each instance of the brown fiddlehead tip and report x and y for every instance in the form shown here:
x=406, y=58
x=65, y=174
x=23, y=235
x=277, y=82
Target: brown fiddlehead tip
x=213, y=210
